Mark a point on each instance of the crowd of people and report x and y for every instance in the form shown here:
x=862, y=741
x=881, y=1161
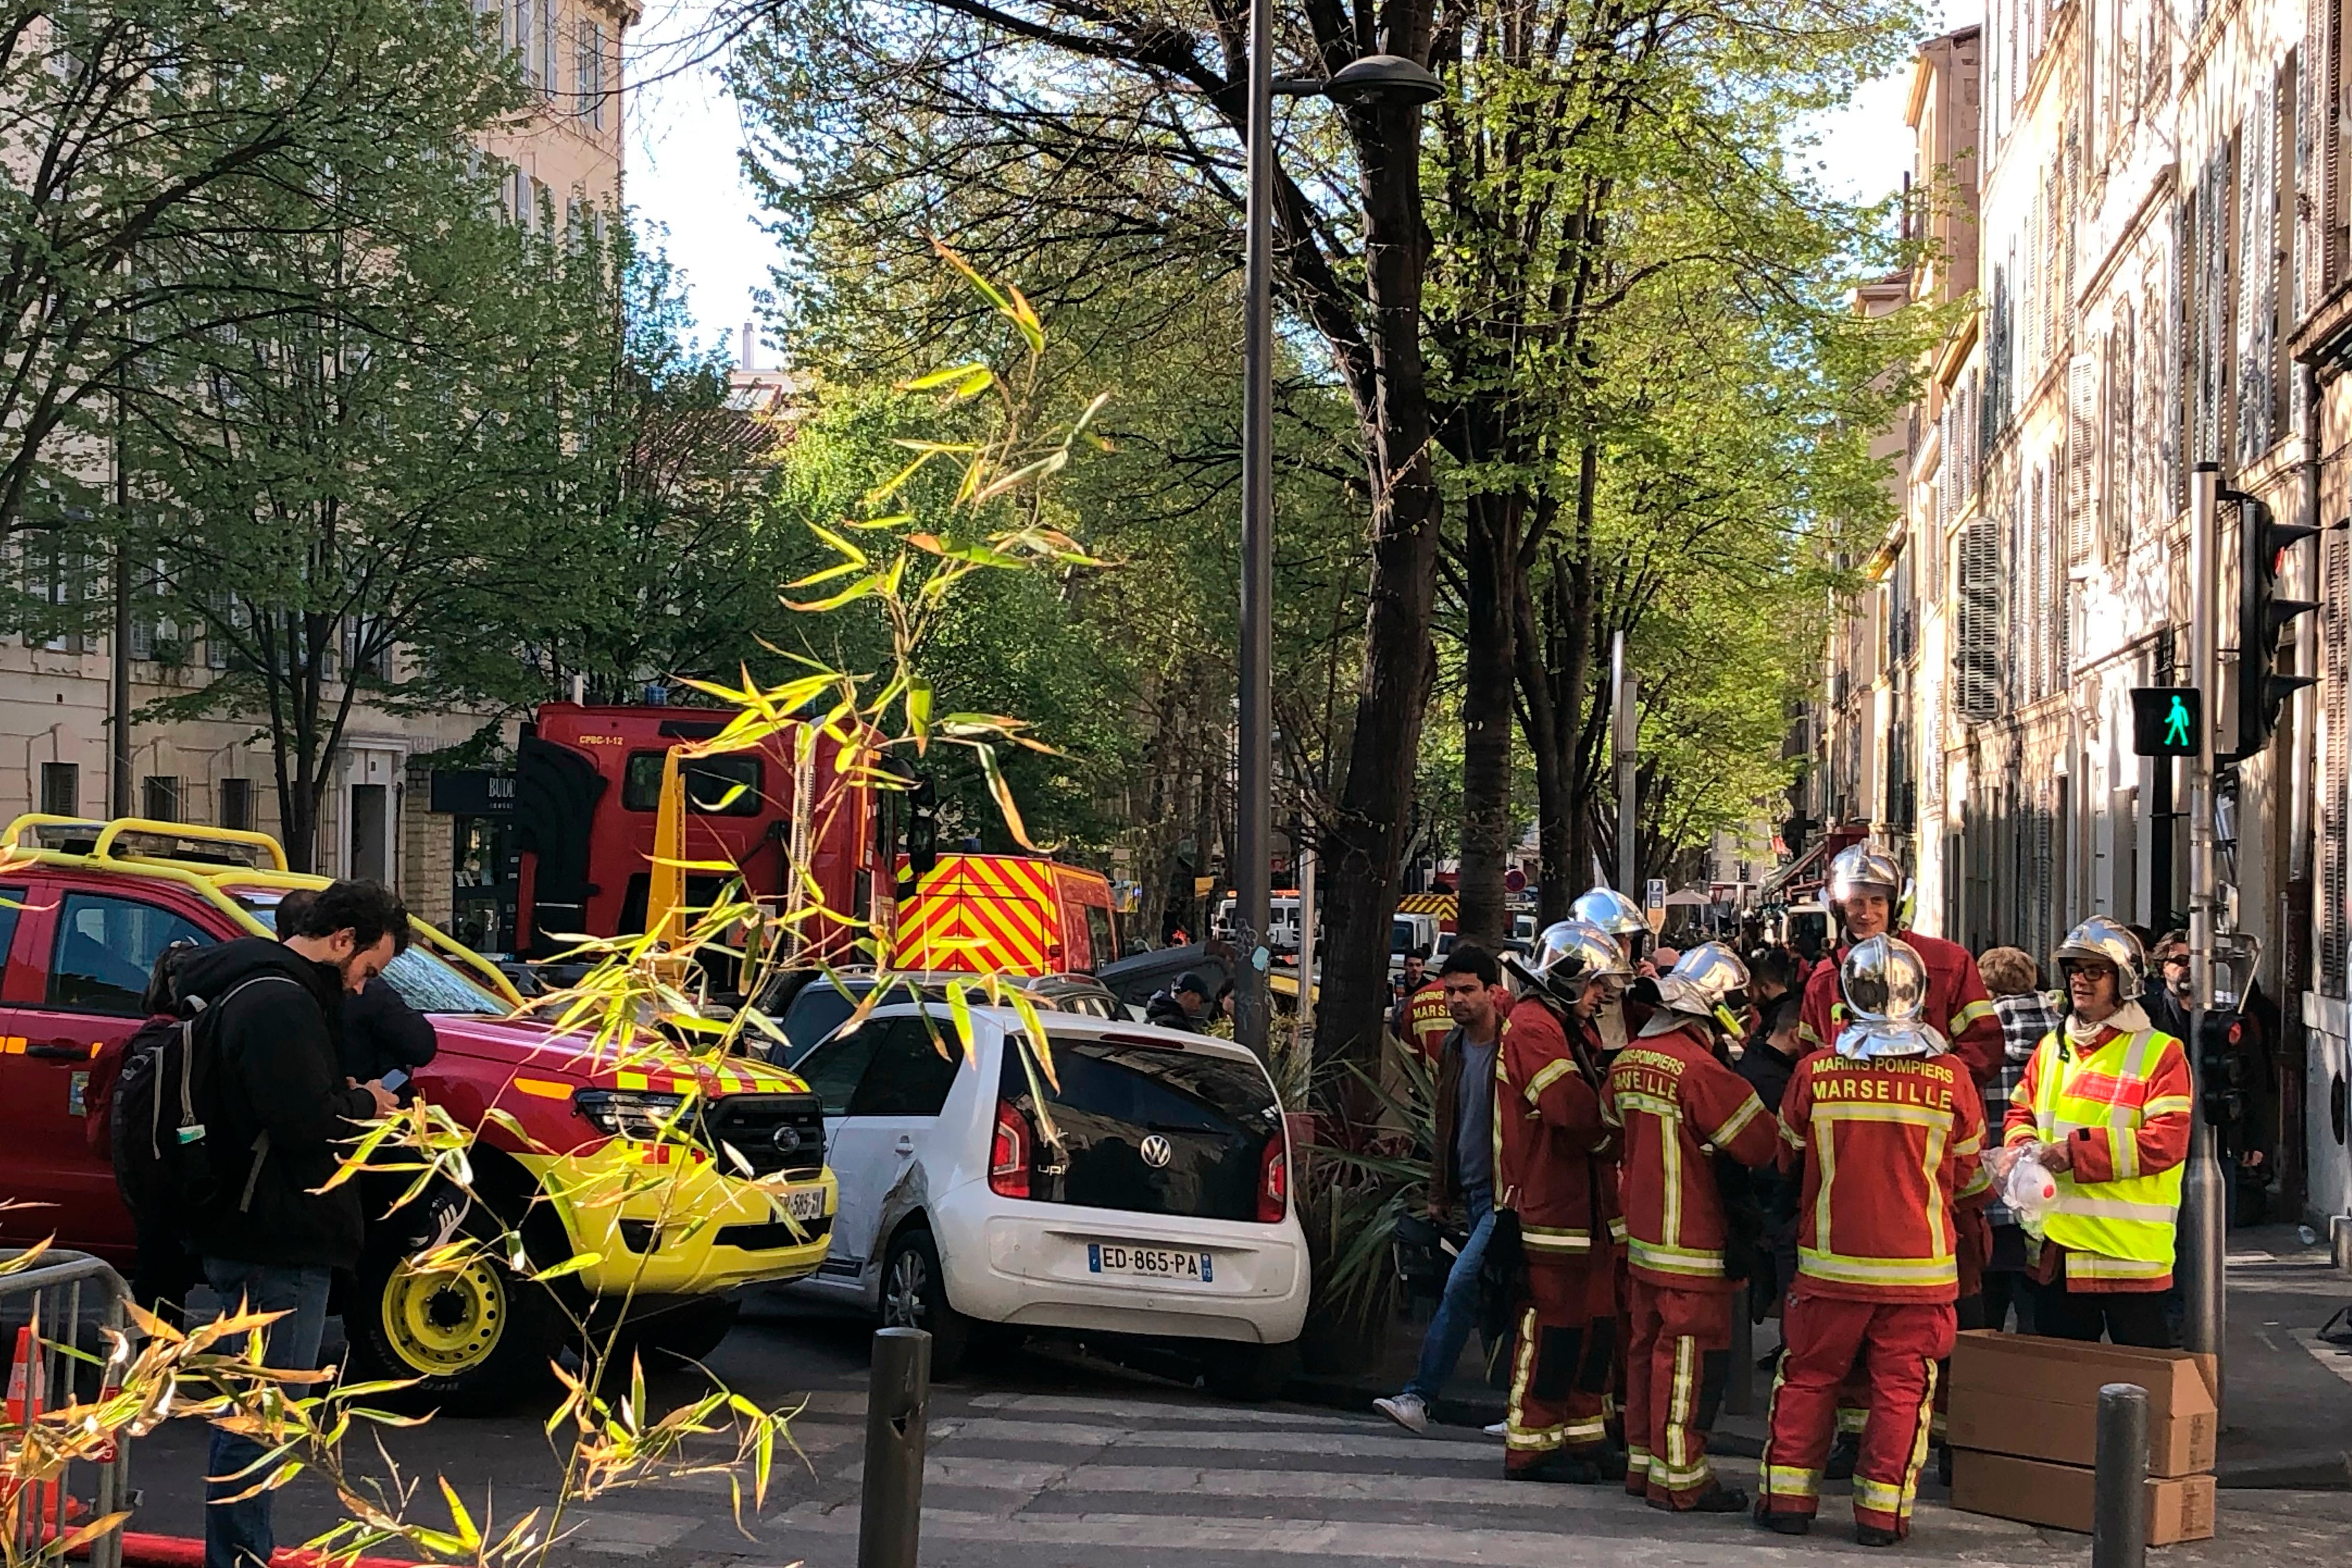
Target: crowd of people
x=1635, y=1145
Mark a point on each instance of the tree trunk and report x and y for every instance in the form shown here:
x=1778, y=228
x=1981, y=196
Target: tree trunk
x=1364, y=842
x=1490, y=564
x=1555, y=890
x=1573, y=628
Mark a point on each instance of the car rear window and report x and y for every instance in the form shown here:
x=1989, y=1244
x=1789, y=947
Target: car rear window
x=1214, y=1115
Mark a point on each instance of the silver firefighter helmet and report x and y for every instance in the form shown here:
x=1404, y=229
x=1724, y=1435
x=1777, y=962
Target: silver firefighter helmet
x=2110, y=942
x=1885, y=982
x=1612, y=912
x=1567, y=956
x=1701, y=985
x=1858, y=869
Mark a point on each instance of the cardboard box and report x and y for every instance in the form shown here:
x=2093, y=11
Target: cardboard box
x=2032, y=1491
x=2039, y=1399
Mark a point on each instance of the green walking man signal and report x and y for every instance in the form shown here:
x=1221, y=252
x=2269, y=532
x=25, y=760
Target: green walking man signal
x=2167, y=721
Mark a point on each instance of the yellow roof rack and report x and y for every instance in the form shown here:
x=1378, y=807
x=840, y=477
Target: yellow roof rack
x=145, y=839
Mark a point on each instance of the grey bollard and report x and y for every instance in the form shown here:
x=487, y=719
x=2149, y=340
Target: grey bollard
x=1740, y=1381
x=890, y=1513
x=2119, y=1496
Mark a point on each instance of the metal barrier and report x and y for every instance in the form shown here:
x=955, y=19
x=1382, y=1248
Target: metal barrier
x=44, y=1311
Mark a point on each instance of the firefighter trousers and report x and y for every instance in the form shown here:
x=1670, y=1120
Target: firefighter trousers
x=1675, y=1367
x=1895, y=1345
x=1561, y=1359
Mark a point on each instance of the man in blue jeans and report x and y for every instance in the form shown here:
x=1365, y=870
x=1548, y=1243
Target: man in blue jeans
x=1461, y=1168
x=277, y=1107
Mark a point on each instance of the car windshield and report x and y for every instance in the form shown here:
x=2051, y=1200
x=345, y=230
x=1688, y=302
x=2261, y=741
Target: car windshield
x=425, y=981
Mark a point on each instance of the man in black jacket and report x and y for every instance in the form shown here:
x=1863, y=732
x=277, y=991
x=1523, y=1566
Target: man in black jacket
x=381, y=1032
x=1180, y=1005
x=277, y=1104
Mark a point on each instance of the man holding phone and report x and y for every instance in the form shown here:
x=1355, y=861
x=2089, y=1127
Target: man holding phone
x=381, y=1037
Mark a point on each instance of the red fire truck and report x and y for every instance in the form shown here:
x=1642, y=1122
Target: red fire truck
x=588, y=784
x=588, y=798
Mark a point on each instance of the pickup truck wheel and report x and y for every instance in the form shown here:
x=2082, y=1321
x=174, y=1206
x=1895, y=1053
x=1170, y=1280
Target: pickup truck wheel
x=471, y=1338
x=914, y=1296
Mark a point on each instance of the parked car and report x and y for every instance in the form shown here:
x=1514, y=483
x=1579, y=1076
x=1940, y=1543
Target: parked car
x=86, y=908
x=809, y=1005
x=1142, y=1187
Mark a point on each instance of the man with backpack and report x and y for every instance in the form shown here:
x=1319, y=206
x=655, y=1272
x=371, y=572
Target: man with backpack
x=273, y=1105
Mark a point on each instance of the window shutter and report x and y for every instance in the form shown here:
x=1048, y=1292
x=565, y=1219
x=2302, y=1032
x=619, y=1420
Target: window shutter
x=2256, y=275
x=2082, y=454
x=1976, y=669
x=2335, y=760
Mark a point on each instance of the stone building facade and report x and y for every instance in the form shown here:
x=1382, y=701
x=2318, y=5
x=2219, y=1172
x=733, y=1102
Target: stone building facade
x=56, y=693
x=2160, y=280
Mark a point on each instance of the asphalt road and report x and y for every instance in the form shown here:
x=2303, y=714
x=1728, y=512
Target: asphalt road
x=1048, y=1457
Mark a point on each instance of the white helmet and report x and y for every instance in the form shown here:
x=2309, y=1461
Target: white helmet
x=1858, y=869
x=1885, y=982
x=1612, y=912
x=1569, y=956
x=1700, y=985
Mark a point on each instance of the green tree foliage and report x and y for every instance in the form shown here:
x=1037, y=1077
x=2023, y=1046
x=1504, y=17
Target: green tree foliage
x=375, y=499
x=152, y=150
x=1128, y=669
x=1602, y=192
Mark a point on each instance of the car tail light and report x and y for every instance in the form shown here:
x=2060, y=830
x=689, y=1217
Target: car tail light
x=1008, y=1153
x=1274, y=1182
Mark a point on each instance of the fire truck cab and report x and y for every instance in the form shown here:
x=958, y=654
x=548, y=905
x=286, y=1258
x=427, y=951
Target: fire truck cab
x=588, y=787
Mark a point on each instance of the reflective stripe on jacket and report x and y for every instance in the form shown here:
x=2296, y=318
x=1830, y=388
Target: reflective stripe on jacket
x=1676, y=1106
x=1887, y=1149
x=1547, y=1130
x=2121, y=1108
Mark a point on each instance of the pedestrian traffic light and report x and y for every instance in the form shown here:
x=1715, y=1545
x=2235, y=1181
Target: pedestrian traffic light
x=2262, y=616
x=2167, y=720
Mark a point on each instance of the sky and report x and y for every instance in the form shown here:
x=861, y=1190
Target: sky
x=682, y=171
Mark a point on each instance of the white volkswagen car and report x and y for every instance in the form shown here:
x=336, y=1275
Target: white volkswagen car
x=1142, y=1187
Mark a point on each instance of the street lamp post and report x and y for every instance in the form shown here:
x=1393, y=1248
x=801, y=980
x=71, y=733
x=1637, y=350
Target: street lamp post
x=1373, y=78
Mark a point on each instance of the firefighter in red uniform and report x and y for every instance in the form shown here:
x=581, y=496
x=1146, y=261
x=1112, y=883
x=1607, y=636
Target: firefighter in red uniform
x=1865, y=887
x=1548, y=1169
x=1887, y=1130
x=1676, y=1106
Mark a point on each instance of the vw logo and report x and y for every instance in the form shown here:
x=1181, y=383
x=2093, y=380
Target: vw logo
x=1156, y=1152
x=785, y=1139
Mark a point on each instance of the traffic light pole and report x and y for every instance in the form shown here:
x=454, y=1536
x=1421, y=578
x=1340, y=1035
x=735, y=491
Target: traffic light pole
x=2203, y=1240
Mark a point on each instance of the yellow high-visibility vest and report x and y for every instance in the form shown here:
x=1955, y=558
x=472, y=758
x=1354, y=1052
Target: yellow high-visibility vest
x=2122, y=1230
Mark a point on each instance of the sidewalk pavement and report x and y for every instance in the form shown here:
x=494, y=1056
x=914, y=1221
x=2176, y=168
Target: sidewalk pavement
x=2286, y=1395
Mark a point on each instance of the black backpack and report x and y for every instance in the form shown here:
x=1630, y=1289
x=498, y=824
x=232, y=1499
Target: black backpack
x=164, y=1163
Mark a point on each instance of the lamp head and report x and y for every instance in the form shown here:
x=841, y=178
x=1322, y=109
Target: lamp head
x=1390, y=78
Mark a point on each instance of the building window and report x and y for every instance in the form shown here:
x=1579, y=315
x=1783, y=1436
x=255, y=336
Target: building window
x=61, y=789
x=236, y=804
x=588, y=71
x=519, y=36
x=551, y=76
x=159, y=796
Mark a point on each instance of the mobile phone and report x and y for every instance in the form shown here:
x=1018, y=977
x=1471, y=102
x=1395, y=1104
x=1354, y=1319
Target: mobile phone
x=395, y=1081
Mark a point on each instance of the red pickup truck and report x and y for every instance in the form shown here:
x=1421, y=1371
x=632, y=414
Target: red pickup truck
x=677, y=1228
